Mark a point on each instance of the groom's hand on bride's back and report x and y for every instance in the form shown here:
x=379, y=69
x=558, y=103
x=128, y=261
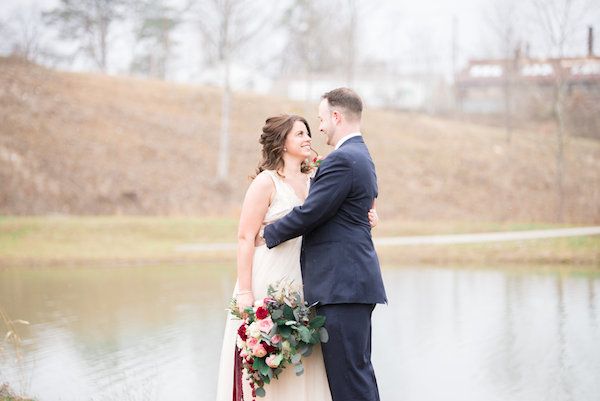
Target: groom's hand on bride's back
x=260, y=239
x=373, y=217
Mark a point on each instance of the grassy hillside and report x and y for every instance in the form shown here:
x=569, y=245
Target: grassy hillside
x=94, y=144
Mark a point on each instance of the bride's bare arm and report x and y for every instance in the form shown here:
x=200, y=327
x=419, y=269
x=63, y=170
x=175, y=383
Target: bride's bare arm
x=254, y=209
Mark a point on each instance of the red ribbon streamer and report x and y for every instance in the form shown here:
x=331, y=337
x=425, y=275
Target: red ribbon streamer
x=238, y=390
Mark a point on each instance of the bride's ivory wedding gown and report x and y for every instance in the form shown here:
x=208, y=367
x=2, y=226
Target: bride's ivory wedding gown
x=270, y=266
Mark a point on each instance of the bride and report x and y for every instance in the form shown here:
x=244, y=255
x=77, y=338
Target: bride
x=282, y=182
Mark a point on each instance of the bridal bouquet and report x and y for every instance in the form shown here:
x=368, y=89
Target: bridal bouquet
x=277, y=332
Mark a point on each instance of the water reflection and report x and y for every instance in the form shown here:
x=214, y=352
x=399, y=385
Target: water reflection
x=488, y=335
x=452, y=334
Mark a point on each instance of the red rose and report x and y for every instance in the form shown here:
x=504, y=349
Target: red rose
x=270, y=348
x=242, y=332
x=261, y=313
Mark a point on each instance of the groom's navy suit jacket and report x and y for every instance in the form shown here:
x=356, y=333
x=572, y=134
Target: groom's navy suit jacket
x=339, y=263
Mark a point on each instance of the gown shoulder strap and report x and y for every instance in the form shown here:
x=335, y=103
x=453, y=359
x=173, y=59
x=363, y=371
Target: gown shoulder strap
x=276, y=179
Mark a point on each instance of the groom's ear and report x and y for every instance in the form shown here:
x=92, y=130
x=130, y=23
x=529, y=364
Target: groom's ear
x=336, y=116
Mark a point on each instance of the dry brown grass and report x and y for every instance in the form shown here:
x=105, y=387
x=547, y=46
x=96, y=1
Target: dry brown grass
x=94, y=144
x=6, y=394
x=100, y=241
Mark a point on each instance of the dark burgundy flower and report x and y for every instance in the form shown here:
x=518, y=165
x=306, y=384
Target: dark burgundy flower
x=270, y=348
x=262, y=313
x=242, y=332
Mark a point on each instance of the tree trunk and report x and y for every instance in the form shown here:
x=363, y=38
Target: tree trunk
x=560, y=134
x=223, y=157
x=352, y=27
x=507, y=107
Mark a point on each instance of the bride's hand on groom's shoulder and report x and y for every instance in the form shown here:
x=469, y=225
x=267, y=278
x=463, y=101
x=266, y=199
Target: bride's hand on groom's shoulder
x=373, y=217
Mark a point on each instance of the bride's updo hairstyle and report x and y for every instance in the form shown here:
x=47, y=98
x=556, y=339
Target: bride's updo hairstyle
x=272, y=140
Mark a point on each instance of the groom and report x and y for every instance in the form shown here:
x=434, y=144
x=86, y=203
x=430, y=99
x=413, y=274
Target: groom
x=340, y=268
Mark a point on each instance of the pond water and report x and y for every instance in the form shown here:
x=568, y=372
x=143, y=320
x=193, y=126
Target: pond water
x=154, y=333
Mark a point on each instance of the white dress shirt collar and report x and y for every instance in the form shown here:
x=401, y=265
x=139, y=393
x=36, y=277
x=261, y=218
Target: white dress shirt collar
x=344, y=139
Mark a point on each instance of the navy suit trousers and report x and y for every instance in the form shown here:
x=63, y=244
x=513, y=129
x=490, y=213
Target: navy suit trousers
x=347, y=354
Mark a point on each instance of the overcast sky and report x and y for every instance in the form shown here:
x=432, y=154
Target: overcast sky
x=415, y=32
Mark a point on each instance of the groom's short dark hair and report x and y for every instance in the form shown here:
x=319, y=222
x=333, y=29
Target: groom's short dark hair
x=345, y=98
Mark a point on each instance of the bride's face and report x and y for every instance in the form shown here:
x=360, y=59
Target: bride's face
x=297, y=141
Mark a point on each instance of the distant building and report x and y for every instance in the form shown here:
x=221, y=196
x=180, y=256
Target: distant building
x=409, y=92
x=482, y=85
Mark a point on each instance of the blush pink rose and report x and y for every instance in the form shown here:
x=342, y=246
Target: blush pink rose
x=259, y=351
x=276, y=339
x=251, y=342
x=265, y=325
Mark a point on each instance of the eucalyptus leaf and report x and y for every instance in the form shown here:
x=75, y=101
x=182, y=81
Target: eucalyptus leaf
x=285, y=331
x=302, y=350
x=260, y=366
x=318, y=321
x=323, y=334
x=278, y=359
x=299, y=369
x=288, y=312
x=304, y=334
x=260, y=392
x=296, y=358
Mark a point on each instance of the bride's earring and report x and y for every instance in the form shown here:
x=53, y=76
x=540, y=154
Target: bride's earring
x=285, y=149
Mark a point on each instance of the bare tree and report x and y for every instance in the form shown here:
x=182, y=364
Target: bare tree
x=503, y=21
x=557, y=21
x=23, y=32
x=312, y=40
x=226, y=26
x=88, y=23
x=155, y=23
x=352, y=30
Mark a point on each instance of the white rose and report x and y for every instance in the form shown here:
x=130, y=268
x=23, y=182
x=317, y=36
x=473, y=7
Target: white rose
x=254, y=330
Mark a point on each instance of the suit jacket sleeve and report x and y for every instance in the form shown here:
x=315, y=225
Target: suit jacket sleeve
x=328, y=191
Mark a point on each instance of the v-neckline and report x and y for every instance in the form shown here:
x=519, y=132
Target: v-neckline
x=292, y=188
